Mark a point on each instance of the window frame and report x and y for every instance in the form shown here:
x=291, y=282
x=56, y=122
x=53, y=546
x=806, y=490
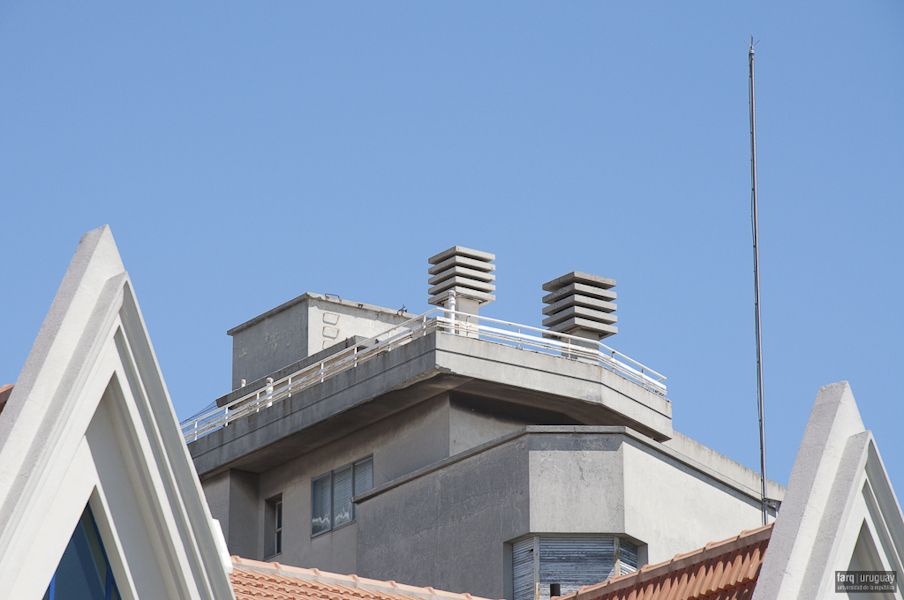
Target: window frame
x=273, y=532
x=329, y=478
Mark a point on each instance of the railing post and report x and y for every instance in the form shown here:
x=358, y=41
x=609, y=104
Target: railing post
x=452, y=314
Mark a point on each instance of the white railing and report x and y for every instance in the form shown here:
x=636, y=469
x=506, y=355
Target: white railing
x=439, y=319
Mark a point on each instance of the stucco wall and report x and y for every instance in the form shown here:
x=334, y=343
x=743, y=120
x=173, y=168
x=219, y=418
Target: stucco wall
x=569, y=480
x=275, y=342
x=446, y=529
x=576, y=483
x=676, y=508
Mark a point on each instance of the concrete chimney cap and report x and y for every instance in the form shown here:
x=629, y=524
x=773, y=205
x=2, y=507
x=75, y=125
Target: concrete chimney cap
x=578, y=277
x=461, y=251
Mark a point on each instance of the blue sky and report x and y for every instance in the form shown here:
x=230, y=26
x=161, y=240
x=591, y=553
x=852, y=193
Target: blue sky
x=247, y=152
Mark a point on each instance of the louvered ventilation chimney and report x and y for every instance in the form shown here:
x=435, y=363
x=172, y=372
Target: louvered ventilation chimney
x=582, y=305
x=467, y=274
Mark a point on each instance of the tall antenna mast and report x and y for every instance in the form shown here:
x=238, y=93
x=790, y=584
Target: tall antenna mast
x=756, y=285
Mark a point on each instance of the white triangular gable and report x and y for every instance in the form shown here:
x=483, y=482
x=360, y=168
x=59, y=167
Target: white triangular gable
x=90, y=422
x=840, y=512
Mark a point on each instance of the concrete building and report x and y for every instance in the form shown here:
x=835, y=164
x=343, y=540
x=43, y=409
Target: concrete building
x=99, y=497
x=457, y=451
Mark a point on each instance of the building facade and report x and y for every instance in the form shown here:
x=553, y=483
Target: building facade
x=457, y=451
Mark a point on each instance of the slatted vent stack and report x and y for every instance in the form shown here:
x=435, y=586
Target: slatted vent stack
x=582, y=305
x=465, y=272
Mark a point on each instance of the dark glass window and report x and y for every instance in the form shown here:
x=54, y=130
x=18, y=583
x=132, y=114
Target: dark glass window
x=84, y=572
x=332, y=493
x=273, y=526
x=278, y=526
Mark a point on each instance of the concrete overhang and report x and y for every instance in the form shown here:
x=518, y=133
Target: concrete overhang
x=436, y=363
x=567, y=502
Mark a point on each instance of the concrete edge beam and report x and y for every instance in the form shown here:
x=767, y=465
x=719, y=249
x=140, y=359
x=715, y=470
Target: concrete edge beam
x=463, y=261
x=579, y=288
x=461, y=251
x=579, y=277
x=463, y=282
x=579, y=300
x=462, y=272
x=579, y=311
x=614, y=430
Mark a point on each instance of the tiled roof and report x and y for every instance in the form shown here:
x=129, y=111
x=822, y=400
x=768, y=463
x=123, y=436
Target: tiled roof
x=725, y=570
x=5, y=392
x=253, y=580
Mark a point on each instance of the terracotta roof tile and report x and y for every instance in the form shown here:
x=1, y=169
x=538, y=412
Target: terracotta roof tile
x=254, y=580
x=725, y=570
x=5, y=392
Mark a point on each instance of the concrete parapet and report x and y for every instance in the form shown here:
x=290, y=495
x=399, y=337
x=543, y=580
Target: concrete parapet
x=465, y=273
x=582, y=305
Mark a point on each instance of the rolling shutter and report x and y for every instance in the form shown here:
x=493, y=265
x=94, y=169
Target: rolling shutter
x=570, y=562
x=342, y=497
x=523, y=569
x=573, y=562
x=627, y=557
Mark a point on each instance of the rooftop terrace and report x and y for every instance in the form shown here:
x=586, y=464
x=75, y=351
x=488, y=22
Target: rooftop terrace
x=268, y=392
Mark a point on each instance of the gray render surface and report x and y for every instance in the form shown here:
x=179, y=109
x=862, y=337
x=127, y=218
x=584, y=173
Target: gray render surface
x=474, y=445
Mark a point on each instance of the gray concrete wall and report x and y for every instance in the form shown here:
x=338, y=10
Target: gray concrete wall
x=450, y=525
x=471, y=426
x=333, y=321
x=233, y=500
x=216, y=491
x=722, y=464
x=302, y=327
x=266, y=346
x=413, y=439
x=576, y=483
x=446, y=529
x=405, y=442
x=408, y=374
x=676, y=508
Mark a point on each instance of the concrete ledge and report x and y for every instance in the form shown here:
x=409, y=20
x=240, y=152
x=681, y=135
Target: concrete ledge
x=417, y=371
x=580, y=430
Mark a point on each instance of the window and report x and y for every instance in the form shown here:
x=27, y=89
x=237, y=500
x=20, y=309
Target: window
x=84, y=571
x=274, y=526
x=332, y=493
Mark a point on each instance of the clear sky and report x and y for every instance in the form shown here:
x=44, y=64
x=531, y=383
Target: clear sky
x=247, y=152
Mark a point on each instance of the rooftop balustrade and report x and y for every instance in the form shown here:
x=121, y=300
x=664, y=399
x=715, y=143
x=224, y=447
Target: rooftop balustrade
x=444, y=321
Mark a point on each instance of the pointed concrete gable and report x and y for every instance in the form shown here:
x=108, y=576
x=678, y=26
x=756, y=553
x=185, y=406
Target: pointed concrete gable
x=840, y=512
x=89, y=422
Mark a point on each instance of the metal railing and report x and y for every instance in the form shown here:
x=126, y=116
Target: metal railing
x=439, y=319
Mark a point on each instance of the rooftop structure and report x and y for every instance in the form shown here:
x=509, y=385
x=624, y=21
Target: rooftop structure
x=402, y=440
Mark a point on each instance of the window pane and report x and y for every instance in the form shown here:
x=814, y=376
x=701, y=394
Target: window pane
x=364, y=476
x=342, y=496
x=83, y=572
x=364, y=479
x=278, y=545
x=320, y=504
